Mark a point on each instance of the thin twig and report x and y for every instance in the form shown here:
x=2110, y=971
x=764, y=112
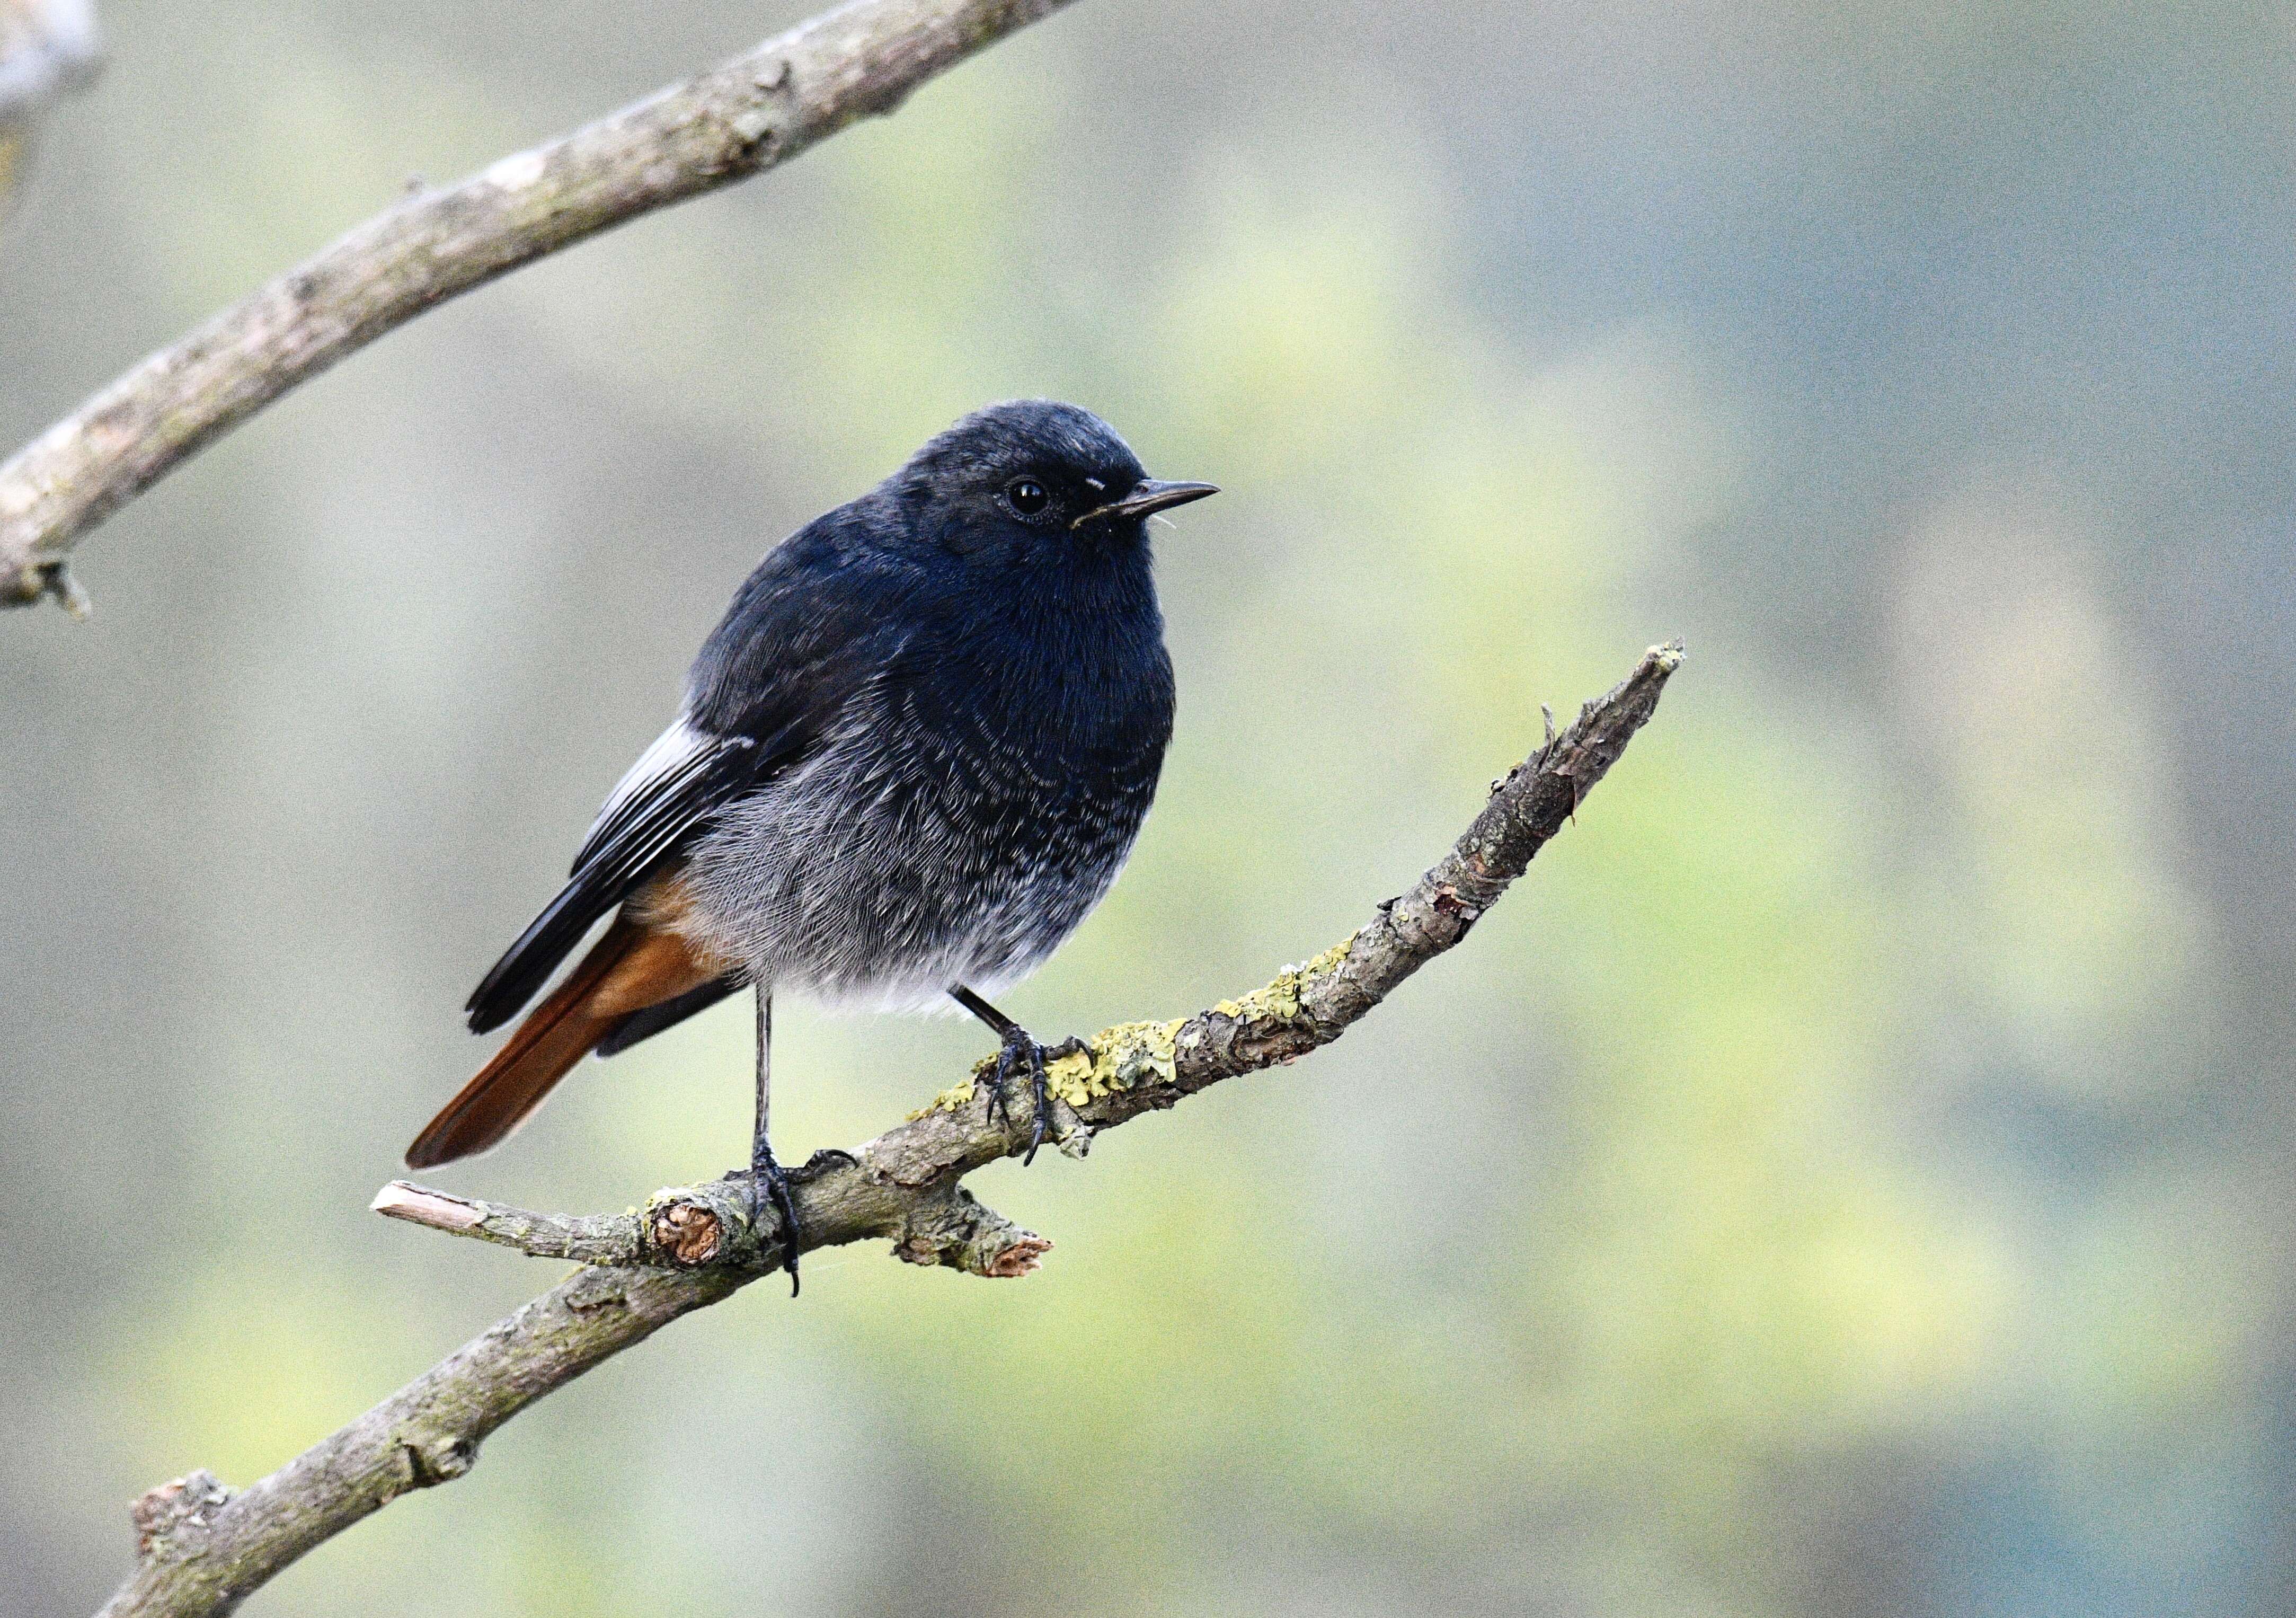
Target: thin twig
x=205, y=1549
x=742, y=118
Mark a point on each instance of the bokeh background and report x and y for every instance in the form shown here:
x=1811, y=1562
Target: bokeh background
x=1849, y=1177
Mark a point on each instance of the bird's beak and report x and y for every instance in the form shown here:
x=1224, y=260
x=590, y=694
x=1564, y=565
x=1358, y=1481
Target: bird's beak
x=1149, y=496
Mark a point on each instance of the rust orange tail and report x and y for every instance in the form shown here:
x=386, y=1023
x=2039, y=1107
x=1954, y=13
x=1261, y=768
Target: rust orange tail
x=628, y=969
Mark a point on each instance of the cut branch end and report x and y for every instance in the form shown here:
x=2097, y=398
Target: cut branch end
x=401, y=1200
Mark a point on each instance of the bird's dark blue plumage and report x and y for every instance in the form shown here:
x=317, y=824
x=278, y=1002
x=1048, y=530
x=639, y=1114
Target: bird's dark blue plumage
x=920, y=744
x=910, y=760
x=980, y=702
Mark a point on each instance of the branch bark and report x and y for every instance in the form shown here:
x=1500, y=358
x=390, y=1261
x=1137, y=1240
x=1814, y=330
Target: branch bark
x=208, y=1548
x=205, y=1549
x=741, y=117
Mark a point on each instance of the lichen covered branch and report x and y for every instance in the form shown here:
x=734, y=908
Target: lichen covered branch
x=206, y=1548
x=747, y=115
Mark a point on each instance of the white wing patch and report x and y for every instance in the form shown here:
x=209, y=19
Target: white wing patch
x=668, y=765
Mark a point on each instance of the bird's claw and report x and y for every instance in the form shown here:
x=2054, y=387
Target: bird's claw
x=769, y=1185
x=1019, y=1054
x=820, y=1164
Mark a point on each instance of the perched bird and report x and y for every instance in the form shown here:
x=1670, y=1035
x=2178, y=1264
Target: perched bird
x=911, y=758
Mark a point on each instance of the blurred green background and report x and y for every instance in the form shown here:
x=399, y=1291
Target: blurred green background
x=1849, y=1177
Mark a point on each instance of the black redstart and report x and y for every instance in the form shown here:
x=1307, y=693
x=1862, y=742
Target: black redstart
x=910, y=760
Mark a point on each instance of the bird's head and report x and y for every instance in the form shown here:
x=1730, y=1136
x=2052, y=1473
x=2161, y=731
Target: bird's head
x=1034, y=480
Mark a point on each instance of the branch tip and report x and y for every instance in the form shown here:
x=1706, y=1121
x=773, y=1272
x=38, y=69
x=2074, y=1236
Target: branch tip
x=1019, y=1259
x=402, y=1200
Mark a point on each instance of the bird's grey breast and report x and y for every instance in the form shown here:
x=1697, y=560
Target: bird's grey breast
x=950, y=827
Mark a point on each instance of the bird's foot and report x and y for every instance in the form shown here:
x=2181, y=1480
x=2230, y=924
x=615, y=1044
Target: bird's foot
x=1020, y=1054
x=769, y=1186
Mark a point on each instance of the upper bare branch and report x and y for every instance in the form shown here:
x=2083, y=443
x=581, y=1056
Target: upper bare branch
x=747, y=115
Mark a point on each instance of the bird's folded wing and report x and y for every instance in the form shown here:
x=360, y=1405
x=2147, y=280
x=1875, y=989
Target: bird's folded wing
x=656, y=798
x=673, y=788
x=808, y=631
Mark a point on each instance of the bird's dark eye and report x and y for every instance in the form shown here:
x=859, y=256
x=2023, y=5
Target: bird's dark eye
x=1027, y=495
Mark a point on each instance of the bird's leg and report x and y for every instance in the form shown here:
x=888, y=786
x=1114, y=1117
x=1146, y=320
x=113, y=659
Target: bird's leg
x=1017, y=1053
x=768, y=1180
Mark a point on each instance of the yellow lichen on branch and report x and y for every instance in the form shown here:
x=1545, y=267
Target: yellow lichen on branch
x=1119, y=1058
x=1279, y=1001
